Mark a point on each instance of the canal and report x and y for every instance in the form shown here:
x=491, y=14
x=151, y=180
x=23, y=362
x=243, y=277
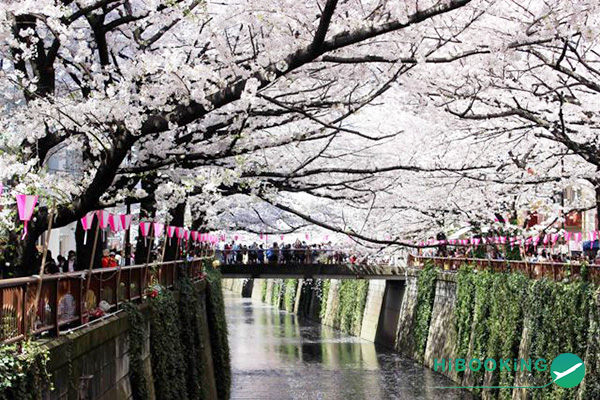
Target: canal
x=275, y=355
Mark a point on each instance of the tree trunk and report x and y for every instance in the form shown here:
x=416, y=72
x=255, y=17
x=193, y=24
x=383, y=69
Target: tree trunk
x=147, y=211
x=177, y=219
x=84, y=251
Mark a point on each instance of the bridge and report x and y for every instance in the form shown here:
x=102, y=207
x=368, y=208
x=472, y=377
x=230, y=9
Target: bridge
x=313, y=271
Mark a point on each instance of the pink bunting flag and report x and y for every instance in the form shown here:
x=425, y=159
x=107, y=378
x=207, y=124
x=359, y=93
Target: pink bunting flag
x=145, y=228
x=536, y=240
x=260, y=236
x=170, y=232
x=115, y=222
x=307, y=236
x=555, y=237
x=126, y=221
x=159, y=229
x=86, y=224
x=578, y=237
x=568, y=236
x=593, y=235
x=235, y=237
x=102, y=218
x=26, y=205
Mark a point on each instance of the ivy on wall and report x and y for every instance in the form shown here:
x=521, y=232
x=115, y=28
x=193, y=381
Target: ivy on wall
x=191, y=328
x=424, y=306
x=166, y=352
x=353, y=297
x=492, y=310
x=23, y=373
x=275, y=293
x=289, y=296
x=218, y=332
x=263, y=290
x=325, y=285
x=137, y=333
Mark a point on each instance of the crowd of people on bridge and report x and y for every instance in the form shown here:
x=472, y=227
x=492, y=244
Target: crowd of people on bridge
x=299, y=252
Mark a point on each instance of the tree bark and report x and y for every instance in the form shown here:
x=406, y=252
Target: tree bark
x=147, y=211
x=177, y=219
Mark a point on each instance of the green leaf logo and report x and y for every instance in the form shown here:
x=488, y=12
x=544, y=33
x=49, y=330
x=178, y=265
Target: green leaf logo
x=567, y=370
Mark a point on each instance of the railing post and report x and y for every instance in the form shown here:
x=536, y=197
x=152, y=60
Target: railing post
x=56, y=326
x=24, y=315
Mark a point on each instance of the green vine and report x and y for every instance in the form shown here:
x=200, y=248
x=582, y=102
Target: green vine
x=263, y=290
x=492, y=310
x=166, y=352
x=23, y=372
x=191, y=323
x=325, y=285
x=137, y=332
x=218, y=333
x=353, y=297
x=425, y=297
x=289, y=296
x=275, y=293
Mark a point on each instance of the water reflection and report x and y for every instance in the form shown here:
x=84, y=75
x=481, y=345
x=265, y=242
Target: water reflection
x=276, y=356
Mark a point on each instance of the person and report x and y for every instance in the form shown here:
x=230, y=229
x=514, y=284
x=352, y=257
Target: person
x=60, y=261
x=105, y=258
x=227, y=253
x=260, y=254
x=118, y=256
x=50, y=267
x=286, y=252
x=273, y=253
x=70, y=264
x=108, y=259
x=252, y=253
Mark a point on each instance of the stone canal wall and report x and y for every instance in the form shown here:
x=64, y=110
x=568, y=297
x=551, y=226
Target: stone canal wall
x=170, y=347
x=434, y=315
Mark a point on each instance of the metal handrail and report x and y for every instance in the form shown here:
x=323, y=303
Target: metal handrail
x=63, y=301
x=535, y=270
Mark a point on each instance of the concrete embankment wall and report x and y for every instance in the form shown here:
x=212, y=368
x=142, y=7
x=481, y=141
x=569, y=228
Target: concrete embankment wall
x=357, y=307
x=95, y=362
x=436, y=315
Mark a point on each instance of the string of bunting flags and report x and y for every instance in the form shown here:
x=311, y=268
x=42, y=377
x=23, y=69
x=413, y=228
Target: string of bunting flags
x=117, y=222
x=542, y=239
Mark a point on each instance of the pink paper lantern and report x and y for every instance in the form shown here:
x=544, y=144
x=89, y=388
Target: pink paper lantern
x=145, y=228
x=115, y=222
x=186, y=234
x=126, y=220
x=26, y=205
x=179, y=232
x=102, y=218
x=159, y=229
x=86, y=224
x=171, y=231
x=194, y=236
x=568, y=236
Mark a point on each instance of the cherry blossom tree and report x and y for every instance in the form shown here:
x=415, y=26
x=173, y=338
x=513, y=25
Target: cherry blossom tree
x=136, y=86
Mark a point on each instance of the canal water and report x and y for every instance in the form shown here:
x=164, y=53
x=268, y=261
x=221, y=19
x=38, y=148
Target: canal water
x=276, y=355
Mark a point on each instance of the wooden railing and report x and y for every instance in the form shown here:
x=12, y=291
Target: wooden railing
x=65, y=302
x=534, y=270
